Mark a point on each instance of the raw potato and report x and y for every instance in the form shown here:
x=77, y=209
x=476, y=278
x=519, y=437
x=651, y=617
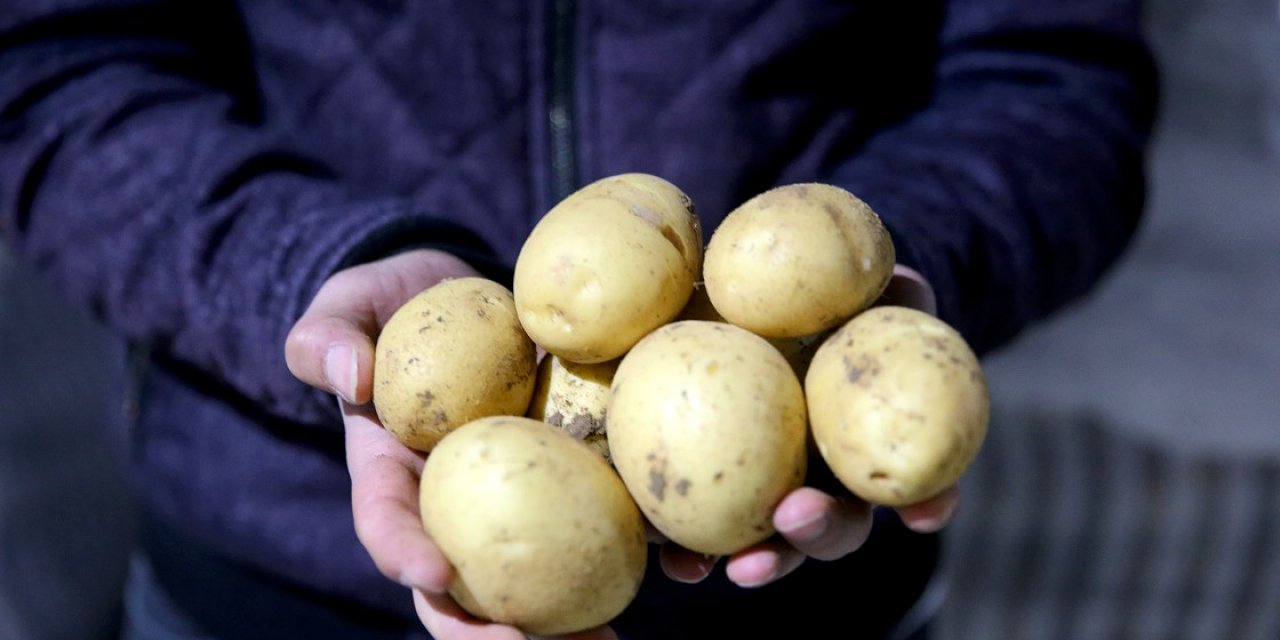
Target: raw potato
x=575, y=397
x=451, y=354
x=607, y=265
x=707, y=428
x=898, y=404
x=541, y=531
x=798, y=259
x=798, y=351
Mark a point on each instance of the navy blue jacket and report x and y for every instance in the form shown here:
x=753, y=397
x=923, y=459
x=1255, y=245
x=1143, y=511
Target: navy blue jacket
x=192, y=171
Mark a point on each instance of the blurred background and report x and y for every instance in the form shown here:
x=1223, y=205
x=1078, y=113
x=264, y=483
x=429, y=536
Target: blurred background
x=1130, y=486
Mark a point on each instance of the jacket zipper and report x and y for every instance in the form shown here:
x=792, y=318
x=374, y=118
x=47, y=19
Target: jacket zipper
x=560, y=112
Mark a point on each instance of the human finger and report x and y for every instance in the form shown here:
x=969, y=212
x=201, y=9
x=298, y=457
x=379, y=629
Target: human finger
x=448, y=621
x=811, y=524
x=932, y=514
x=384, y=504
x=909, y=288
x=442, y=616
x=331, y=345
x=763, y=563
x=683, y=565
x=823, y=526
x=333, y=352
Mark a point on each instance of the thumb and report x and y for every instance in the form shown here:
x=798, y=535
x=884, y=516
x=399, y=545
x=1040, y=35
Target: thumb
x=331, y=345
x=331, y=348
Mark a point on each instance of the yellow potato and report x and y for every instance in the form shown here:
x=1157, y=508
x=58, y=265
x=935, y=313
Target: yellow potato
x=707, y=429
x=798, y=259
x=898, y=405
x=607, y=265
x=574, y=397
x=540, y=529
x=798, y=351
x=451, y=354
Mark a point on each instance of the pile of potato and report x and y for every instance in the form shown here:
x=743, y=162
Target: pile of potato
x=701, y=384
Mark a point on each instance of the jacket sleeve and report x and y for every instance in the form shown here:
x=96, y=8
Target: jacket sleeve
x=1022, y=179
x=137, y=171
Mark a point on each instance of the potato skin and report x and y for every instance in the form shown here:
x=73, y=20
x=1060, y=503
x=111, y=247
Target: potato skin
x=798, y=259
x=540, y=529
x=798, y=351
x=898, y=405
x=453, y=353
x=574, y=396
x=607, y=265
x=707, y=429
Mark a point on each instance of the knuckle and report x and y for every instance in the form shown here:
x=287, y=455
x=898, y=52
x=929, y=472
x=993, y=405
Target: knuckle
x=304, y=336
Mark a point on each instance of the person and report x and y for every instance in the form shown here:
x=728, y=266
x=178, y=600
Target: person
x=244, y=192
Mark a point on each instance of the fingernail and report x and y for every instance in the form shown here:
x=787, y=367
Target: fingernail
x=340, y=371
x=707, y=563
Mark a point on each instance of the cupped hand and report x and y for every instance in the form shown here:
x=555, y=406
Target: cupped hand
x=331, y=347
x=811, y=522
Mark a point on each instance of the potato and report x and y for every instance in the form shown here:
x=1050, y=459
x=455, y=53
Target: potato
x=451, y=354
x=574, y=397
x=898, y=405
x=798, y=259
x=541, y=531
x=607, y=265
x=798, y=351
x=707, y=429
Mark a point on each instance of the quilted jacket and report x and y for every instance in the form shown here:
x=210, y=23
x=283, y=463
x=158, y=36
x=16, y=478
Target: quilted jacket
x=193, y=171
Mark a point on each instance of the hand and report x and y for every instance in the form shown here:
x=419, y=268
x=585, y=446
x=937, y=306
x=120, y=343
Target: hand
x=812, y=523
x=331, y=347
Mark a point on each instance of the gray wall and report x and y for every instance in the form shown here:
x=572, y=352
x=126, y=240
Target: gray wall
x=1181, y=344
x=65, y=512
x=1128, y=487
